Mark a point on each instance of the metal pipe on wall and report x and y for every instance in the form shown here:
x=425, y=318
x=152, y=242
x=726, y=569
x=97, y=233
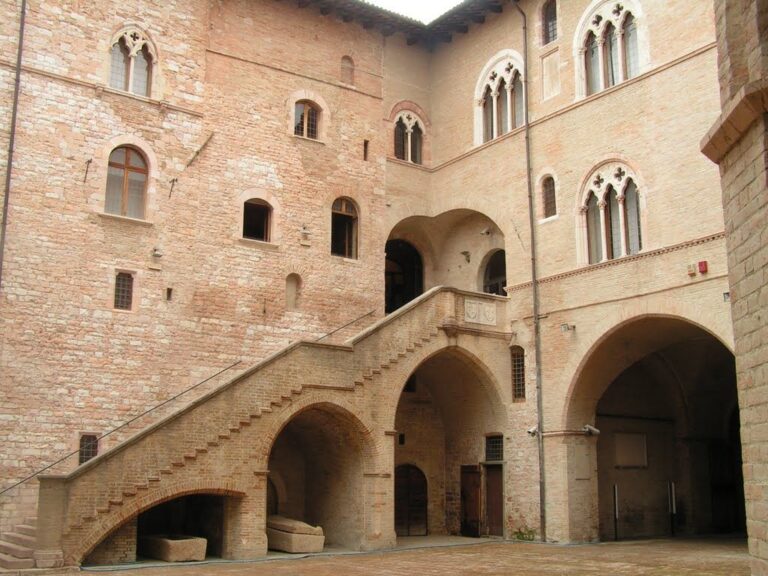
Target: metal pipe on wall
x=12, y=137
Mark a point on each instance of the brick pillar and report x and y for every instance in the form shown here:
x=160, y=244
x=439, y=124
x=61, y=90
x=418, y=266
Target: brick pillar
x=245, y=519
x=52, y=503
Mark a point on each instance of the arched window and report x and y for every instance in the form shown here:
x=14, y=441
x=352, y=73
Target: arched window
x=549, y=199
x=126, y=183
x=409, y=137
x=592, y=64
x=292, y=291
x=347, y=70
x=631, y=58
x=306, y=119
x=612, y=214
x=401, y=139
x=517, y=356
x=488, y=115
x=131, y=62
x=611, y=56
x=549, y=22
x=608, y=39
x=344, y=228
x=517, y=100
x=495, y=276
x=257, y=216
x=502, y=109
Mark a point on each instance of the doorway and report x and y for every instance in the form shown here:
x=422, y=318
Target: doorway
x=470, y=501
x=410, y=501
x=403, y=275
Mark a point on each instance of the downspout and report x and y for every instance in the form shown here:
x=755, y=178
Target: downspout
x=12, y=138
x=534, y=285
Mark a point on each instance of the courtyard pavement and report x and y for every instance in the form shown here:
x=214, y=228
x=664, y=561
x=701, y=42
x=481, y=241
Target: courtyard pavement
x=679, y=557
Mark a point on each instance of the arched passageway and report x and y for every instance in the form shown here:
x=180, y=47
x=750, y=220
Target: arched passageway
x=316, y=467
x=403, y=274
x=448, y=411
x=662, y=393
x=495, y=274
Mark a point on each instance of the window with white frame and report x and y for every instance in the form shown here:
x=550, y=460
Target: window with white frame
x=611, y=214
x=608, y=45
x=409, y=137
x=499, y=105
x=132, y=59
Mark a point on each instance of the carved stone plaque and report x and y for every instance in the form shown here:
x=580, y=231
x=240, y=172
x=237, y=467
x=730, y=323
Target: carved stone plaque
x=480, y=312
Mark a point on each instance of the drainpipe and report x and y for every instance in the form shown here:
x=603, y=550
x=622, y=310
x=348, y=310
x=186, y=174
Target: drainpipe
x=12, y=138
x=534, y=285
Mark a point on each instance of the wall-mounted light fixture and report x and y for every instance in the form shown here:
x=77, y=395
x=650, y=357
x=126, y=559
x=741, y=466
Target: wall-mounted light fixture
x=157, y=252
x=726, y=296
x=466, y=255
x=567, y=328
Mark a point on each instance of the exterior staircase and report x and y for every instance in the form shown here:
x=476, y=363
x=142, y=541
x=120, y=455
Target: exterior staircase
x=109, y=489
x=17, y=548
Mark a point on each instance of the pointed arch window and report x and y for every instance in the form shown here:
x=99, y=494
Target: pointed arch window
x=631, y=59
x=131, y=63
x=347, y=70
x=592, y=64
x=549, y=24
x=409, y=138
x=488, y=115
x=611, y=56
x=612, y=217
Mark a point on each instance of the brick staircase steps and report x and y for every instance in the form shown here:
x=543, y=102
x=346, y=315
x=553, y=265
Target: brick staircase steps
x=8, y=562
x=28, y=529
x=20, y=539
x=15, y=550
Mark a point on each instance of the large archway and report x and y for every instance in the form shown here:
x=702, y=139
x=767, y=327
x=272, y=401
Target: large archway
x=662, y=393
x=316, y=467
x=450, y=424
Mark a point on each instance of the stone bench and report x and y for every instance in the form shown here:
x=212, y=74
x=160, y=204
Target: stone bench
x=173, y=548
x=288, y=535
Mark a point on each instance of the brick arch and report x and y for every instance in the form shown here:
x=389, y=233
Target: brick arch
x=87, y=543
x=331, y=402
x=489, y=382
x=584, y=390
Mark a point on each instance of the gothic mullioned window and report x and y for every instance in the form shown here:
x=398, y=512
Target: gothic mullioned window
x=132, y=59
x=500, y=98
x=502, y=103
x=611, y=213
x=409, y=137
x=608, y=46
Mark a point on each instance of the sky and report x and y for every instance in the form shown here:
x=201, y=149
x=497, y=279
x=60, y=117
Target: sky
x=424, y=10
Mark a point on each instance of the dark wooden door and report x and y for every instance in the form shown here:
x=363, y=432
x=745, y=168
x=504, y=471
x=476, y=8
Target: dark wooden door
x=410, y=501
x=494, y=500
x=470, y=501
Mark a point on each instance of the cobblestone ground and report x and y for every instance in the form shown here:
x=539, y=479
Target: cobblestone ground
x=707, y=557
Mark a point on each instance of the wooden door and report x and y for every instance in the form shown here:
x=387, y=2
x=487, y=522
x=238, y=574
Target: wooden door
x=470, y=501
x=410, y=501
x=494, y=500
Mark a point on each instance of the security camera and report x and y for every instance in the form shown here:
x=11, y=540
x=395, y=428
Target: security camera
x=590, y=430
x=532, y=431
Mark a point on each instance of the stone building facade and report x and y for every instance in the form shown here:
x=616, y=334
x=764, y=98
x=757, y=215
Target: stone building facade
x=738, y=143
x=468, y=277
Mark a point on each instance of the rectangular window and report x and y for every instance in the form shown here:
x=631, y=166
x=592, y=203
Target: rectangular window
x=518, y=373
x=89, y=447
x=123, y=291
x=494, y=448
